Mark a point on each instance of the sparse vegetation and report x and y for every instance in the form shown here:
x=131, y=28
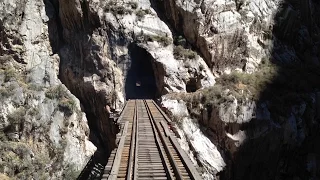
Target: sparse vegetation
x=3, y=136
x=66, y=103
x=16, y=161
x=251, y=84
x=164, y=40
x=35, y=87
x=228, y=87
x=33, y=112
x=115, y=9
x=5, y=92
x=70, y=173
x=142, y=12
x=181, y=52
x=180, y=40
x=57, y=92
x=133, y=5
x=4, y=60
x=9, y=74
x=17, y=116
x=230, y=51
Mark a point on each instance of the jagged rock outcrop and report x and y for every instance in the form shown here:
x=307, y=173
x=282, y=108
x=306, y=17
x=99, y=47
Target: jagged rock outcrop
x=43, y=132
x=87, y=44
x=95, y=40
x=268, y=136
x=229, y=34
x=231, y=124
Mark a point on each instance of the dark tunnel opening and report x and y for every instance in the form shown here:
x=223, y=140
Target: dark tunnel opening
x=140, y=79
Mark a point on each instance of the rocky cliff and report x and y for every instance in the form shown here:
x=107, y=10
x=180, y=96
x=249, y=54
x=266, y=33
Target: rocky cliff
x=263, y=122
x=239, y=77
x=43, y=131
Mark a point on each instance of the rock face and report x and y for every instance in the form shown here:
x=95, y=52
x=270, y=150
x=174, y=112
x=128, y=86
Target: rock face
x=94, y=39
x=191, y=55
x=43, y=132
x=89, y=46
x=229, y=34
x=193, y=140
x=268, y=137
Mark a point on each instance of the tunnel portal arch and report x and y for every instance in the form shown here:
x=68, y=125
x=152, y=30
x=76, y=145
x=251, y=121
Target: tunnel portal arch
x=140, y=80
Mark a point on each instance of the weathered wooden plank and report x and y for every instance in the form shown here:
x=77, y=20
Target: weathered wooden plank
x=116, y=164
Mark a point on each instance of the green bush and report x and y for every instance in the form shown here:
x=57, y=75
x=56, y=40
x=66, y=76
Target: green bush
x=67, y=106
x=165, y=41
x=181, y=52
x=15, y=157
x=180, y=40
x=57, y=92
x=254, y=83
x=66, y=103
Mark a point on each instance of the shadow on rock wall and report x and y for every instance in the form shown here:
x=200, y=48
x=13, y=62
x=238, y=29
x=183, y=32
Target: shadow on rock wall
x=70, y=29
x=283, y=143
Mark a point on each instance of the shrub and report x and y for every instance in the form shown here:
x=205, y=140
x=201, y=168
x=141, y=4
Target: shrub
x=142, y=12
x=67, y=106
x=17, y=116
x=3, y=136
x=180, y=41
x=117, y=9
x=254, y=83
x=165, y=41
x=35, y=87
x=120, y=10
x=134, y=5
x=57, y=92
x=4, y=92
x=181, y=52
x=70, y=172
x=33, y=111
x=9, y=74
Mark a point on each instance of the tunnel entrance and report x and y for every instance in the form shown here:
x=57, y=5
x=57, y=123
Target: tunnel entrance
x=140, y=79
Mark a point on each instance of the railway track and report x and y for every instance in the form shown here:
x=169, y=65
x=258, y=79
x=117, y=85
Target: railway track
x=147, y=149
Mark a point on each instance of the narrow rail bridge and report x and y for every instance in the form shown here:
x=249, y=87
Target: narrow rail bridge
x=147, y=148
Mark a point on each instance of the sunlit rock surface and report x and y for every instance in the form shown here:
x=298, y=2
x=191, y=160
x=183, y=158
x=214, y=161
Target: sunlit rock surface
x=180, y=53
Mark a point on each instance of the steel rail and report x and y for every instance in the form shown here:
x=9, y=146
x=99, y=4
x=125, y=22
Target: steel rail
x=130, y=169
x=176, y=170
x=181, y=153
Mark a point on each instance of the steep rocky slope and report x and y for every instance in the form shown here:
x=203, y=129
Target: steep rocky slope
x=90, y=47
x=264, y=124
x=43, y=132
x=239, y=77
